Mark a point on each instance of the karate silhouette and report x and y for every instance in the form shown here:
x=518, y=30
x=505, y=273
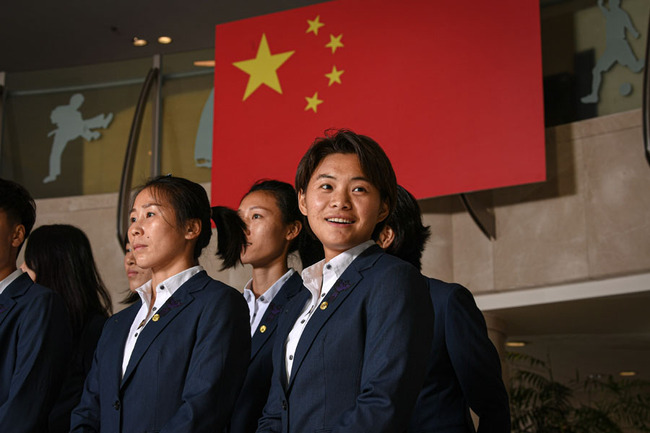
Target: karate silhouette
x=70, y=127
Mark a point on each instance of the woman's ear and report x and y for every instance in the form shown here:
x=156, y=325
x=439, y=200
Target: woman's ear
x=193, y=229
x=386, y=237
x=18, y=235
x=294, y=230
x=302, y=202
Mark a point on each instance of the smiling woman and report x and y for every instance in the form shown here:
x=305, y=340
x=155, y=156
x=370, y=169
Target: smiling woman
x=187, y=328
x=356, y=342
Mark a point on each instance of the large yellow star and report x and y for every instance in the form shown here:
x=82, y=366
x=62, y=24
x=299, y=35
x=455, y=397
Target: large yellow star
x=314, y=25
x=263, y=68
x=313, y=102
x=335, y=42
x=334, y=76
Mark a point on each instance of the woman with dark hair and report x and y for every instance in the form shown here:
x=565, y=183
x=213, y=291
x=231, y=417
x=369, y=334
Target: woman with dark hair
x=352, y=349
x=60, y=257
x=272, y=228
x=175, y=360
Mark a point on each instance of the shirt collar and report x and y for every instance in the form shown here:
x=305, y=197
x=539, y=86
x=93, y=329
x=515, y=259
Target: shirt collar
x=10, y=279
x=270, y=293
x=312, y=276
x=171, y=284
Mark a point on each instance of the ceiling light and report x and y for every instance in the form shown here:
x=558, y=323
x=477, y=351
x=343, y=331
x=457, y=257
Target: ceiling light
x=516, y=343
x=137, y=42
x=204, y=63
x=164, y=40
x=627, y=373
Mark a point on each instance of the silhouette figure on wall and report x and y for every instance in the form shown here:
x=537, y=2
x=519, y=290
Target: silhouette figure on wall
x=70, y=127
x=617, y=48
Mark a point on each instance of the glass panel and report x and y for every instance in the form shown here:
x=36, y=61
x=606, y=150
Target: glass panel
x=593, y=53
x=66, y=130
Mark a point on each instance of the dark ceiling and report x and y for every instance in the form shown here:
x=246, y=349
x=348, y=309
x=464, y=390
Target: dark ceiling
x=45, y=34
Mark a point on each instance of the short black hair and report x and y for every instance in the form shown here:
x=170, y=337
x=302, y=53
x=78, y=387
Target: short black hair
x=18, y=204
x=372, y=159
x=189, y=201
x=410, y=234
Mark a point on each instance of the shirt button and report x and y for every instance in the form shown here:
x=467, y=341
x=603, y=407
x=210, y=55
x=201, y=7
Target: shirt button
x=154, y=308
x=262, y=298
x=136, y=334
x=162, y=287
x=290, y=357
x=302, y=321
x=328, y=266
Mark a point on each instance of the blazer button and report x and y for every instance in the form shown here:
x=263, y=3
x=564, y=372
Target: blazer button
x=116, y=405
x=284, y=405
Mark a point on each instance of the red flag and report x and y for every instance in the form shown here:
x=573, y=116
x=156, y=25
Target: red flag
x=451, y=90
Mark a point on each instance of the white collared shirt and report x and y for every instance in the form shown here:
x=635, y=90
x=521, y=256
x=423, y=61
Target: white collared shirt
x=257, y=307
x=10, y=279
x=164, y=291
x=319, y=278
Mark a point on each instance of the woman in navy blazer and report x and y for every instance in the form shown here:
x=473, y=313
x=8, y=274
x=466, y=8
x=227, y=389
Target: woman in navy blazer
x=350, y=353
x=464, y=368
x=273, y=229
x=173, y=362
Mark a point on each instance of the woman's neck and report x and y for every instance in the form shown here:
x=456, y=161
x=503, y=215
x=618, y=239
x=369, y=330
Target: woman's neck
x=161, y=274
x=265, y=277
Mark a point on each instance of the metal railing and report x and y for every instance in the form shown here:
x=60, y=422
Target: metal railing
x=124, y=199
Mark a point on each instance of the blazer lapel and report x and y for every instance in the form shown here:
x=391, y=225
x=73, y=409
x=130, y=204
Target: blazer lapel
x=269, y=320
x=6, y=304
x=335, y=297
x=170, y=309
x=17, y=288
x=115, y=349
x=292, y=312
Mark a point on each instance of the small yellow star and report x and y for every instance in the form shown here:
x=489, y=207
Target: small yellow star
x=335, y=42
x=313, y=102
x=263, y=68
x=314, y=25
x=334, y=76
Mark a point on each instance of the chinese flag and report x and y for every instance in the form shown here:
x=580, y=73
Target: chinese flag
x=451, y=90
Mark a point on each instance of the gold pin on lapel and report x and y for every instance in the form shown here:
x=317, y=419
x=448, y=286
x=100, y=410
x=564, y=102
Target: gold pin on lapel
x=263, y=329
x=324, y=305
x=155, y=317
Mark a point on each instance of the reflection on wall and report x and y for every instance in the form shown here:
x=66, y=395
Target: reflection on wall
x=71, y=126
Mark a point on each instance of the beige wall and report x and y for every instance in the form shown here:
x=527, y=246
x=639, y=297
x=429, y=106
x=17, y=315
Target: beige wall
x=589, y=220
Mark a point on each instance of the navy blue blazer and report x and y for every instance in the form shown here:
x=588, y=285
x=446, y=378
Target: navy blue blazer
x=36, y=342
x=185, y=371
x=464, y=369
x=361, y=360
x=255, y=391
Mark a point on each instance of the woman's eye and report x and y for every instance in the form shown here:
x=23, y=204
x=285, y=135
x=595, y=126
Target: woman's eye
x=128, y=250
x=132, y=220
x=359, y=189
x=150, y=214
x=326, y=186
x=256, y=216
